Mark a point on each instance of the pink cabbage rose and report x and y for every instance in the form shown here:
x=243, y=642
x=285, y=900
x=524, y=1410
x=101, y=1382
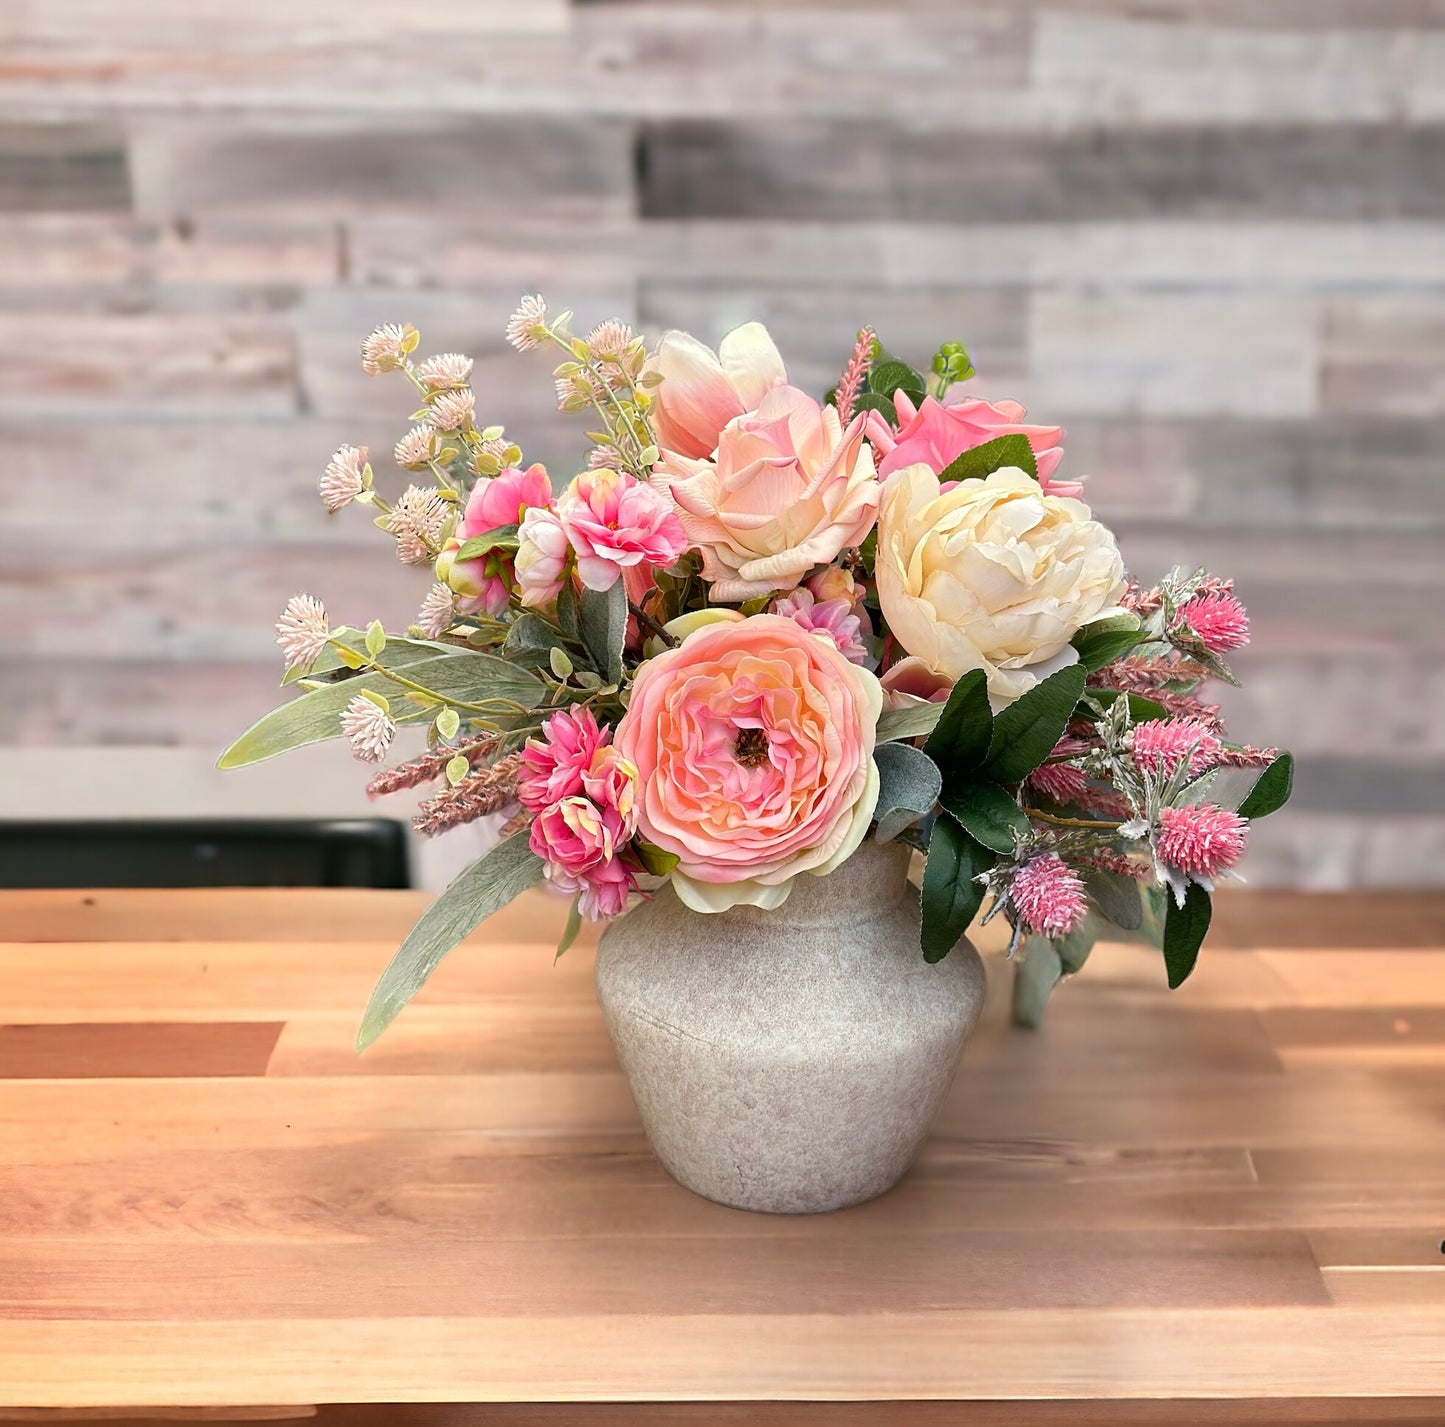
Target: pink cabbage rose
x=937, y=433
x=485, y=583
x=541, y=561
x=753, y=742
x=790, y=488
x=614, y=522
x=701, y=391
x=554, y=766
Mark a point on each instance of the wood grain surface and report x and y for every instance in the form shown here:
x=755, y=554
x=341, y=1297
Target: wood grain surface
x=1221, y=1205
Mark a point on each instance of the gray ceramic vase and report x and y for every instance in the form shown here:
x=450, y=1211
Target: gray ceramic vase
x=789, y=1061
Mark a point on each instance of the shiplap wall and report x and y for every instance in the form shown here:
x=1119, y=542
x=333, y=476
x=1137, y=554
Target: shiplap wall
x=1206, y=235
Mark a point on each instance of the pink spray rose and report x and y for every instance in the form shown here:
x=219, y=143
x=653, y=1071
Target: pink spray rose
x=937, y=433
x=701, y=391
x=541, y=560
x=790, y=488
x=486, y=582
x=576, y=834
x=753, y=742
x=615, y=523
x=601, y=891
x=554, y=766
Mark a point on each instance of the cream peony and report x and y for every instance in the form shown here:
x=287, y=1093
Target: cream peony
x=787, y=490
x=993, y=574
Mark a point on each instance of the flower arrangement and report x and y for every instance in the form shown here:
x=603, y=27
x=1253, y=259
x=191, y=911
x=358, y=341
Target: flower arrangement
x=759, y=627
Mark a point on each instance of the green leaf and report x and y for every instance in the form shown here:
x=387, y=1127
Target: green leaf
x=313, y=717
x=1106, y=640
x=960, y=742
x=448, y=722
x=529, y=641
x=1141, y=710
x=654, y=860
x=884, y=378
x=951, y=893
x=911, y=722
x=603, y=620
x=397, y=654
x=871, y=401
x=1036, y=973
x=987, y=813
x=1025, y=733
x=1073, y=950
x=909, y=785
x=457, y=768
x=1184, y=930
x=567, y=615
x=1115, y=896
x=995, y=455
x=502, y=537
x=1271, y=789
x=375, y=638
x=485, y=887
x=569, y=932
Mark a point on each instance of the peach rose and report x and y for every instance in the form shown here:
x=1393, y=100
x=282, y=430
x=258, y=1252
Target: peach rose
x=789, y=489
x=753, y=743
x=701, y=391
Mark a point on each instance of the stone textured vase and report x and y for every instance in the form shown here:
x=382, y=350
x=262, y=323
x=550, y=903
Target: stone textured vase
x=789, y=1061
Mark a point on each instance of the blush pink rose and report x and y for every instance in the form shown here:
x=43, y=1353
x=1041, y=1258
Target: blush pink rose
x=555, y=765
x=701, y=390
x=790, y=488
x=753, y=743
x=615, y=523
x=910, y=681
x=575, y=834
x=937, y=433
x=486, y=582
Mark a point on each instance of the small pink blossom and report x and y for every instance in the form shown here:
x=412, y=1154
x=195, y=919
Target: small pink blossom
x=832, y=618
x=541, y=560
x=614, y=522
x=369, y=727
x=1163, y=744
x=384, y=349
x=1218, y=620
x=611, y=782
x=601, y=891
x=836, y=583
x=345, y=477
x=527, y=326
x=453, y=408
x=487, y=580
x=1200, y=839
x=575, y=834
x=554, y=766
x=438, y=611
x=936, y=433
x=1048, y=895
x=446, y=369
x=302, y=631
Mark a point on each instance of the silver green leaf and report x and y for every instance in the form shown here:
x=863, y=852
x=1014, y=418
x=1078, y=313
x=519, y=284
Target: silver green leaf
x=909, y=785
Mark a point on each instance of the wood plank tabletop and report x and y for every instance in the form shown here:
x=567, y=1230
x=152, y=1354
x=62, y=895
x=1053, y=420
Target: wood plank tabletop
x=1221, y=1204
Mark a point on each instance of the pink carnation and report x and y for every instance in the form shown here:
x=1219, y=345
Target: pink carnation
x=615, y=522
x=1218, y=620
x=486, y=582
x=1164, y=743
x=601, y=891
x=1200, y=839
x=1048, y=895
x=554, y=766
x=833, y=618
x=937, y=433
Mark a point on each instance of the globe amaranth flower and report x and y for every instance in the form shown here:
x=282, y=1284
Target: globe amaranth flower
x=1048, y=895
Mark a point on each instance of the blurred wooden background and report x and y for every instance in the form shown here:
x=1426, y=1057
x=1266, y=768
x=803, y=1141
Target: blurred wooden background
x=1206, y=235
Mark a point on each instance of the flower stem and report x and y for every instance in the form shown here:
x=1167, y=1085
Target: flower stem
x=1070, y=822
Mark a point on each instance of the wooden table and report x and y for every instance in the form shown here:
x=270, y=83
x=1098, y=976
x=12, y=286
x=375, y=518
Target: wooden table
x=1233, y=1195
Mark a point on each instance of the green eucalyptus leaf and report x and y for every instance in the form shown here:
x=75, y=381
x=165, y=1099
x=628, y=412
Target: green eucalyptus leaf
x=996, y=455
x=567, y=613
x=603, y=621
x=909, y=785
x=1184, y=931
x=952, y=894
x=988, y=813
x=1271, y=790
x=569, y=932
x=485, y=887
x=1024, y=734
x=396, y=654
x=960, y=741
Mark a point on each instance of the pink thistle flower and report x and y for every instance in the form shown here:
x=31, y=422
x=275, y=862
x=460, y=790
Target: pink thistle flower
x=601, y=891
x=302, y=631
x=369, y=727
x=850, y=384
x=1218, y=621
x=1061, y=782
x=527, y=326
x=540, y=564
x=615, y=522
x=453, y=409
x=834, y=619
x=438, y=611
x=1048, y=895
x=417, y=448
x=1200, y=839
x=1162, y=745
x=385, y=348
x=345, y=477
x=553, y=767
x=444, y=371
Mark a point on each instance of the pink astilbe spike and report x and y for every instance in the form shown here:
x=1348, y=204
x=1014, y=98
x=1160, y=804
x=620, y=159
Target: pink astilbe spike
x=489, y=790
x=429, y=767
x=850, y=384
x=1246, y=756
x=1106, y=859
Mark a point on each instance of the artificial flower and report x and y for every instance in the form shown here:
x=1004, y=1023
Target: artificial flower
x=614, y=522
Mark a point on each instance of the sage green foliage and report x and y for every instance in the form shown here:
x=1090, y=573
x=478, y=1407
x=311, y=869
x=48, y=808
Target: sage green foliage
x=602, y=622
x=952, y=892
x=1036, y=972
x=485, y=887
x=908, y=786
x=460, y=674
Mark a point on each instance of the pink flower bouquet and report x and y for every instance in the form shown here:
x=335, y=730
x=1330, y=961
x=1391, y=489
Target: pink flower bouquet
x=758, y=628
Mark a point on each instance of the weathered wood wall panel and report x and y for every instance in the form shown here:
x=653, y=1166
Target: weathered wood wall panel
x=1206, y=235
